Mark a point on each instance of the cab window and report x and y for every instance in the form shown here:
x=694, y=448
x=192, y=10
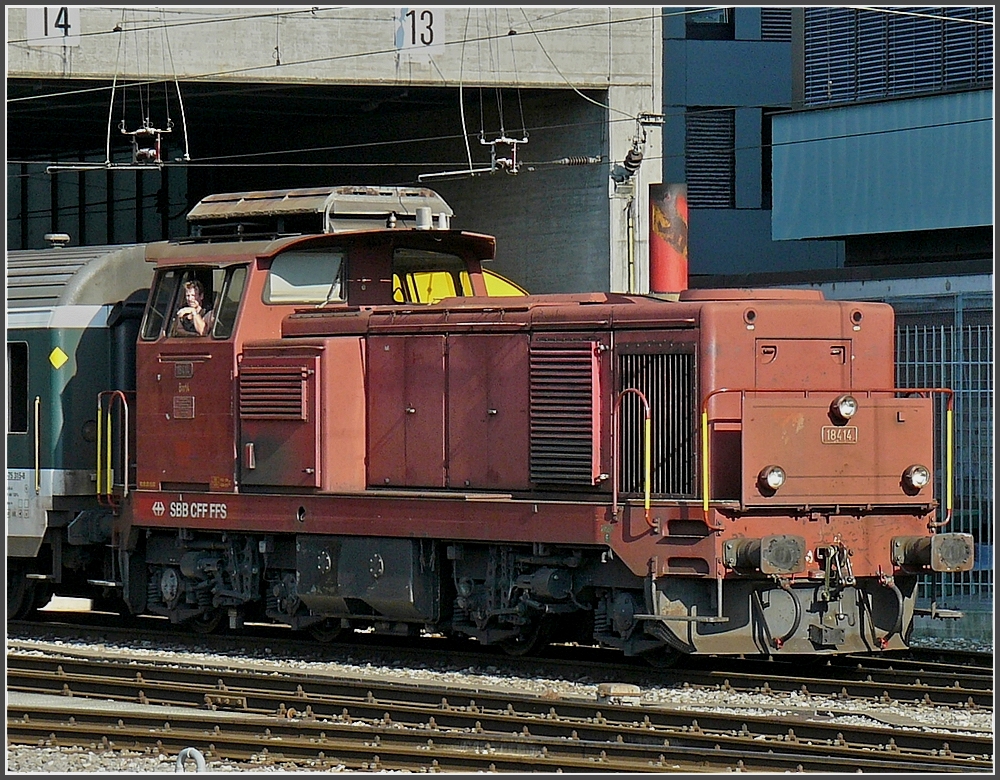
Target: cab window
x=306, y=276
x=229, y=302
x=167, y=298
x=420, y=276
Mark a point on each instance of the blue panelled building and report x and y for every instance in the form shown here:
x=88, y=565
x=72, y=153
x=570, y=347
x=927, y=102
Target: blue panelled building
x=851, y=150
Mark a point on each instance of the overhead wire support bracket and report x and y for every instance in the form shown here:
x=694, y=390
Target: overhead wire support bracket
x=508, y=164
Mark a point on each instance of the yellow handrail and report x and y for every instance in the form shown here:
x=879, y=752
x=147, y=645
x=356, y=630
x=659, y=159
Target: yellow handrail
x=105, y=477
x=648, y=460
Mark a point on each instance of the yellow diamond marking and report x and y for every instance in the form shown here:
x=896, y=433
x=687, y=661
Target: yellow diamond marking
x=58, y=358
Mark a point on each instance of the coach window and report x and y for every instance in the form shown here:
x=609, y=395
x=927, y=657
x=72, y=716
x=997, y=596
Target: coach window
x=17, y=387
x=308, y=276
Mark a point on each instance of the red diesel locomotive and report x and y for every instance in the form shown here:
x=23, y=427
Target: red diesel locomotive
x=728, y=472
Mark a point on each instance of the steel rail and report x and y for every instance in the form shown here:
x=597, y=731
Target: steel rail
x=265, y=693
x=353, y=740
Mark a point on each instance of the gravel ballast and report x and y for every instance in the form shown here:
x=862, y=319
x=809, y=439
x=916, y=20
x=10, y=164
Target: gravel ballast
x=31, y=759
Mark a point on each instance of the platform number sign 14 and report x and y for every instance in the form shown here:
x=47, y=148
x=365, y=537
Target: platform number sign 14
x=419, y=31
x=53, y=25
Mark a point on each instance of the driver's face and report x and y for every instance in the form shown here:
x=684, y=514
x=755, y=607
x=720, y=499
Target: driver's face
x=191, y=297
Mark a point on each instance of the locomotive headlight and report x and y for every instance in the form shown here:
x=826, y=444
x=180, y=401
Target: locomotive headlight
x=771, y=478
x=844, y=406
x=916, y=477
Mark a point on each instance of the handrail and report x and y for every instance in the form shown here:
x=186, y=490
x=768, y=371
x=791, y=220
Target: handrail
x=614, y=449
x=949, y=442
x=38, y=445
x=105, y=482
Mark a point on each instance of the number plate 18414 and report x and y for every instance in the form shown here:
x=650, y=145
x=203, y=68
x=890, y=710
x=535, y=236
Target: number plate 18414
x=835, y=434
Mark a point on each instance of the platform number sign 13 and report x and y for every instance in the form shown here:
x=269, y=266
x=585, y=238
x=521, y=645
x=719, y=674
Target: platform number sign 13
x=53, y=25
x=419, y=31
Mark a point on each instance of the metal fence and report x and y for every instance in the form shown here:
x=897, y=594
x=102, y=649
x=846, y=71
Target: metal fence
x=959, y=357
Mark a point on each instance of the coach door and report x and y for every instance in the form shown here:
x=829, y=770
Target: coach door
x=185, y=417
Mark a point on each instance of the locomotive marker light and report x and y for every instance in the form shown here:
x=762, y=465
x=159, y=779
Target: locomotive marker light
x=916, y=478
x=844, y=407
x=770, y=479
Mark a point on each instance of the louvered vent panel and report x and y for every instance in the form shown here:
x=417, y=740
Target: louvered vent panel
x=710, y=158
x=776, y=24
x=853, y=54
x=667, y=381
x=563, y=385
x=873, y=69
x=984, y=47
x=830, y=55
x=272, y=393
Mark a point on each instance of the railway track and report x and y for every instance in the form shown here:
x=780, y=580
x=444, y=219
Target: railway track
x=374, y=723
x=964, y=680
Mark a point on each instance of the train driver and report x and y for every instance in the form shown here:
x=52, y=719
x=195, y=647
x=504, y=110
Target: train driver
x=194, y=318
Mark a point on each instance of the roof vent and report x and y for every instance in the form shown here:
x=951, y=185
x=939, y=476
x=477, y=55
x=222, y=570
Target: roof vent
x=58, y=240
x=424, y=218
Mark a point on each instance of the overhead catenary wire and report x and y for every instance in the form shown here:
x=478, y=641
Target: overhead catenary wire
x=220, y=161
x=495, y=34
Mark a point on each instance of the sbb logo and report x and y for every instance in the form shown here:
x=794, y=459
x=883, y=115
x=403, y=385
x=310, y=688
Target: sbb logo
x=158, y=509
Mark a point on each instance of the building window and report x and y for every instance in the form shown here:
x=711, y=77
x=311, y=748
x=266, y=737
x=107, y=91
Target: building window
x=710, y=157
x=716, y=24
x=17, y=387
x=870, y=54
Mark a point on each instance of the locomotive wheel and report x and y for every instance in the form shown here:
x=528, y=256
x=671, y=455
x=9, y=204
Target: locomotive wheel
x=533, y=639
x=327, y=631
x=206, y=622
x=662, y=657
x=20, y=592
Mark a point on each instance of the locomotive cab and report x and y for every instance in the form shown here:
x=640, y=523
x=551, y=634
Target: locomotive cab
x=187, y=430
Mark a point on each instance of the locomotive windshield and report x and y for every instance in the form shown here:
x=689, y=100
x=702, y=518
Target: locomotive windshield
x=306, y=276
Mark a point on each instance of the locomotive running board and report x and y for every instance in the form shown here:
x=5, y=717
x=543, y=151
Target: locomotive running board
x=686, y=618
x=105, y=583
x=939, y=613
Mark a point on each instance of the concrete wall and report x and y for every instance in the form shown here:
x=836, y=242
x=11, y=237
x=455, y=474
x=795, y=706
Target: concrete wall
x=560, y=228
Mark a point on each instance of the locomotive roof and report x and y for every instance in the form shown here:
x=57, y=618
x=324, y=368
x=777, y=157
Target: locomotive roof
x=334, y=209
x=83, y=275
x=194, y=250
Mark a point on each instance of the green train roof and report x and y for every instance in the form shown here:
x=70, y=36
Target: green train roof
x=83, y=275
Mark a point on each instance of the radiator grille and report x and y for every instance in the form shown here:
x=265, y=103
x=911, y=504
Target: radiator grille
x=563, y=392
x=272, y=393
x=667, y=380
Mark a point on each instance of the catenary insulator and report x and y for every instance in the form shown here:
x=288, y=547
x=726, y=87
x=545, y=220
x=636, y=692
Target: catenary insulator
x=632, y=160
